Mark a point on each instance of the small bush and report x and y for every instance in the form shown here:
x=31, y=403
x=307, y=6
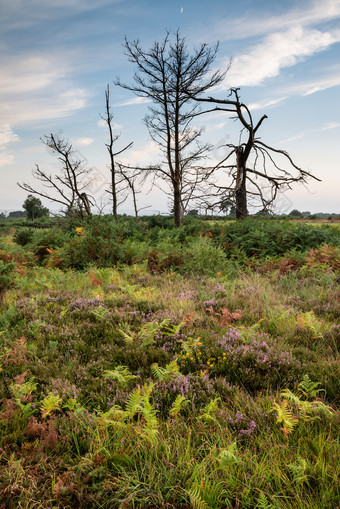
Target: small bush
x=6, y=275
x=23, y=236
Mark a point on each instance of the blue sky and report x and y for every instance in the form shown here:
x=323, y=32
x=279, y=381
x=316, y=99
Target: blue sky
x=58, y=57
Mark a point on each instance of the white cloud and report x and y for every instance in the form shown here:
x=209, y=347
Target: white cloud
x=37, y=88
x=330, y=125
x=84, y=142
x=7, y=136
x=277, y=51
x=254, y=23
x=266, y=103
x=326, y=127
x=315, y=85
x=6, y=159
x=145, y=155
x=136, y=100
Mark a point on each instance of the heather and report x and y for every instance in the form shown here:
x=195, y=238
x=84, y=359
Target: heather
x=146, y=366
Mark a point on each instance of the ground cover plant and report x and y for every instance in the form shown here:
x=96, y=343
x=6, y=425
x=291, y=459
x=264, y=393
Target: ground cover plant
x=143, y=366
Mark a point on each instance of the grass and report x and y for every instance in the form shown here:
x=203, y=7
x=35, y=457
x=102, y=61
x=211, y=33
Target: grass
x=129, y=387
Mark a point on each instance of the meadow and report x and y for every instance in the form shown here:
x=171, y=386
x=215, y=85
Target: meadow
x=144, y=366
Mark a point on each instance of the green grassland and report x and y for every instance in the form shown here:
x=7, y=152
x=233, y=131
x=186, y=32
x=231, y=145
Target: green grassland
x=145, y=366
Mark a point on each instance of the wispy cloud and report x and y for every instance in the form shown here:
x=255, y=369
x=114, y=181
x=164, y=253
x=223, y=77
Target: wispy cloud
x=266, y=103
x=257, y=23
x=7, y=137
x=36, y=11
x=145, y=155
x=83, y=142
x=326, y=127
x=35, y=87
x=277, y=51
x=134, y=101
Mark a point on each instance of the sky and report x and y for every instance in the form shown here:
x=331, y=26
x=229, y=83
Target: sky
x=57, y=58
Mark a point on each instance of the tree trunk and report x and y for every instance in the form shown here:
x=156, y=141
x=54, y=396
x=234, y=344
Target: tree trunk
x=241, y=191
x=177, y=206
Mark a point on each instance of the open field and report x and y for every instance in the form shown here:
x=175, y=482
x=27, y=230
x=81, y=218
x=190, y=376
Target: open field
x=143, y=366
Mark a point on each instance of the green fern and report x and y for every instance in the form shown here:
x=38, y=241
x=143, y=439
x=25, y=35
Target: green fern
x=228, y=456
x=308, y=388
x=50, y=404
x=298, y=470
x=196, y=501
x=149, y=330
x=134, y=402
x=21, y=391
x=263, y=503
x=177, y=405
x=172, y=330
x=284, y=416
x=168, y=373
x=128, y=336
x=209, y=409
x=308, y=410
x=24, y=389
x=309, y=321
x=149, y=414
x=121, y=374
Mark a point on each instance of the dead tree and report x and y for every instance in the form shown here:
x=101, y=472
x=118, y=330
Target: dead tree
x=112, y=139
x=169, y=76
x=267, y=175
x=69, y=186
x=134, y=178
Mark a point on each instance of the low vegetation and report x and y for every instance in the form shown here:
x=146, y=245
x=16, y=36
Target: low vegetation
x=148, y=366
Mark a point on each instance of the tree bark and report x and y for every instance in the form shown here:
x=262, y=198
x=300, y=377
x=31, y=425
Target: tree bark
x=177, y=205
x=241, y=191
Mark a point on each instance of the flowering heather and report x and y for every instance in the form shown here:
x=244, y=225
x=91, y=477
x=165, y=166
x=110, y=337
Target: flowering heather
x=199, y=390
x=85, y=304
x=256, y=363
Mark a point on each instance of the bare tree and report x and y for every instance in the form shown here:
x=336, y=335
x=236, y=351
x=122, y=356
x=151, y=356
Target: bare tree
x=268, y=173
x=112, y=139
x=69, y=186
x=134, y=179
x=169, y=76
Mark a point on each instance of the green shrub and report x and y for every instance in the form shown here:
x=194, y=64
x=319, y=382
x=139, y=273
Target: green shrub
x=203, y=256
x=261, y=238
x=6, y=275
x=23, y=236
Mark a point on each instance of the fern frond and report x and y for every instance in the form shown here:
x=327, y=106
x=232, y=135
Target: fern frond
x=121, y=374
x=209, y=409
x=177, y=405
x=166, y=373
x=298, y=470
x=288, y=394
x=263, y=503
x=284, y=416
x=134, y=402
x=211, y=406
x=171, y=329
x=196, y=501
x=128, y=336
x=158, y=371
x=309, y=388
x=51, y=403
x=147, y=390
x=228, y=456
